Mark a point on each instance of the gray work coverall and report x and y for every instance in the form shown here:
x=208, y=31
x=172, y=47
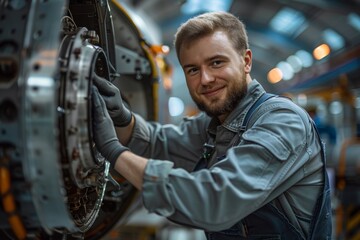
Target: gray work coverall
x=276, y=161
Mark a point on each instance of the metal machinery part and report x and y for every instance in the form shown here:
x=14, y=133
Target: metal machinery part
x=53, y=182
x=135, y=61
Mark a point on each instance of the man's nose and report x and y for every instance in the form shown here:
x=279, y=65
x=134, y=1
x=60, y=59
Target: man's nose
x=206, y=77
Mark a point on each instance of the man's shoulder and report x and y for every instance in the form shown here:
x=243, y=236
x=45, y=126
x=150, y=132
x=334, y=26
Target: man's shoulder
x=280, y=101
x=283, y=104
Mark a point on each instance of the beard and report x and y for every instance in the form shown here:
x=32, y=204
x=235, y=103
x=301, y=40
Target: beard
x=215, y=108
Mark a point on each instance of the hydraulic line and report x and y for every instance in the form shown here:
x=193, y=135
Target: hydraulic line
x=8, y=200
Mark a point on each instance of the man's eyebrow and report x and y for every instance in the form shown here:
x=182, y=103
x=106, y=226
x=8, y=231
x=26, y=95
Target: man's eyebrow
x=188, y=65
x=214, y=57
x=210, y=59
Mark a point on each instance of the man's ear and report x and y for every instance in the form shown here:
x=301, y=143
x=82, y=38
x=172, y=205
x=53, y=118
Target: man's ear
x=248, y=60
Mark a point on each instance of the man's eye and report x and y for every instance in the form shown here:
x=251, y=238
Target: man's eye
x=216, y=63
x=192, y=71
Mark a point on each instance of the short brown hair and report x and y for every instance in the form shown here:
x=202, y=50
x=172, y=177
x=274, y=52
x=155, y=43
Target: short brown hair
x=207, y=23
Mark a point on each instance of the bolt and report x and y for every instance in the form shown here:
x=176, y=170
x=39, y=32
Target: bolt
x=71, y=105
x=72, y=130
x=75, y=154
x=77, y=52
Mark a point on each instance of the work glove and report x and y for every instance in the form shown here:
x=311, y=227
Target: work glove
x=120, y=115
x=103, y=130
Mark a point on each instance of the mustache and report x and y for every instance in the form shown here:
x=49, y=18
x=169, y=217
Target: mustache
x=208, y=89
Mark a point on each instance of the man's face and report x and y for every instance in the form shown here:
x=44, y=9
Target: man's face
x=216, y=74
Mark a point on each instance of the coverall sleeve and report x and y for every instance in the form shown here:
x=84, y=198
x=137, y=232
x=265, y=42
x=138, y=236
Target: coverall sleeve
x=181, y=144
x=253, y=173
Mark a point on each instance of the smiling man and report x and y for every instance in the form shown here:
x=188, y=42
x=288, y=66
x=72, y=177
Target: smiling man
x=217, y=79
x=249, y=166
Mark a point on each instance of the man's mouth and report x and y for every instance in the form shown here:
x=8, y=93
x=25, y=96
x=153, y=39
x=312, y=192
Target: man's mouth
x=212, y=92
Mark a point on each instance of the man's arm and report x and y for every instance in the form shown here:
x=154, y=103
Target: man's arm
x=124, y=133
x=132, y=167
x=126, y=163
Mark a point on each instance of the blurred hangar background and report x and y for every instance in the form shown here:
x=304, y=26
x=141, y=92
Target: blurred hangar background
x=308, y=50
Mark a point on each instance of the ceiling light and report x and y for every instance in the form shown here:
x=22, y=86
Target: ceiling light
x=286, y=69
x=287, y=21
x=305, y=58
x=335, y=40
x=196, y=6
x=274, y=75
x=354, y=20
x=321, y=51
x=295, y=63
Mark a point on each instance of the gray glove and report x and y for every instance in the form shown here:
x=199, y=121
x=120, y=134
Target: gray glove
x=103, y=130
x=120, y=115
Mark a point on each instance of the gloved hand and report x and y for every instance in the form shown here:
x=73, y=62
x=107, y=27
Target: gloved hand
x=120, y=115
x=103, y=130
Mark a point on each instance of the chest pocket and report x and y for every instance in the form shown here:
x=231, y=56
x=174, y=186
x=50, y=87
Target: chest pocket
x=270, y=142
